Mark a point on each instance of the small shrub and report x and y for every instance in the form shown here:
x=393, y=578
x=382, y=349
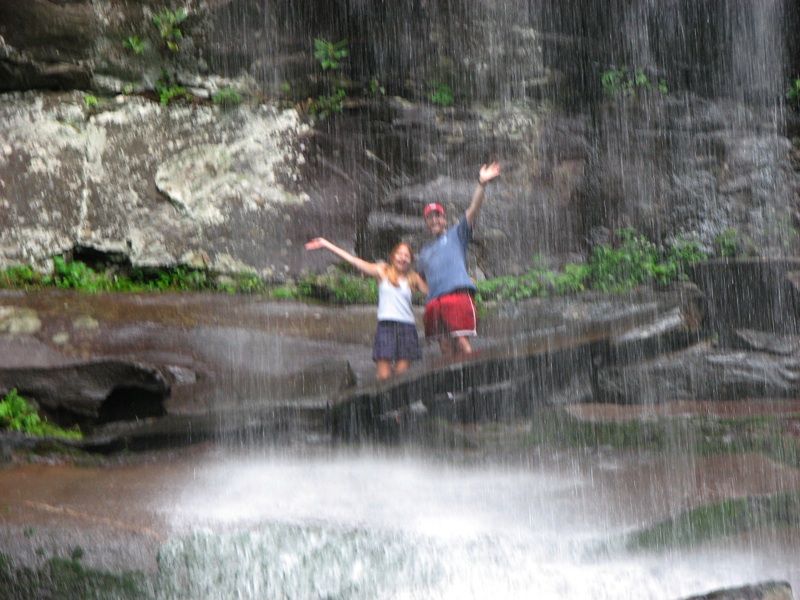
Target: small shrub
x=77, y=275
x=330, y=54
x=732, y=244
x=227, y=97
x=626, y=83
x=325, y=106
x=170, y=93
x=571, y=281
x=510, y=288
x=19, y=277
x=793, y=92
x=442, y=94
x=134, y=44
x=339, y=288
x=375, y=88
x=17, y=414
x=632, y=262
x=168, y=22
x=682, y=253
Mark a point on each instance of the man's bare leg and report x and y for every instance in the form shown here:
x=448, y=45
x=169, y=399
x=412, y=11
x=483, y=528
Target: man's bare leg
x=446, y=346
x=462, y=347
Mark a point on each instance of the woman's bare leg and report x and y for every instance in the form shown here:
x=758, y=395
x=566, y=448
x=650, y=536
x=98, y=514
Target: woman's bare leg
x=384, y=369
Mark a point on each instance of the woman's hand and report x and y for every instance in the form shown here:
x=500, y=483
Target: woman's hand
x=318, y=243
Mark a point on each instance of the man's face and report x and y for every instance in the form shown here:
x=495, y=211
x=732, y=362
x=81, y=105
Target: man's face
x=436, y=222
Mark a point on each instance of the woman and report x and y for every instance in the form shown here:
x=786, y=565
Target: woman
x=396, y=340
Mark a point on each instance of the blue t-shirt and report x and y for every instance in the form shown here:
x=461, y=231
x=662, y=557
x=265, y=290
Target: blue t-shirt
x=443, y=262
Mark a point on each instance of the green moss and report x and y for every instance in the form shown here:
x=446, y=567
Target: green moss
x=712, y=521
x=702, y=436
x=68, y=578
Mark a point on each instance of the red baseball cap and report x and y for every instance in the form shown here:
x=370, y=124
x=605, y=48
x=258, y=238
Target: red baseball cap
x=432, y=207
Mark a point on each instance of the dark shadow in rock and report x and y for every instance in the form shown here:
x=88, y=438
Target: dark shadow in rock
x=129, y=403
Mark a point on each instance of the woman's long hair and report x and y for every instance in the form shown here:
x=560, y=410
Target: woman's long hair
x=391, y=273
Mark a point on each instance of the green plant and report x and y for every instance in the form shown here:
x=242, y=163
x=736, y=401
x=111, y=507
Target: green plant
x=510, y=288
x=727, y=243
x=324, y=106
x=90, y=101
x=682, y=253
x=375, y=88
x=624, y=82
x=17, y=414
x=284, y=292
x=634, y=260
x=227, y=96
x=572, y=280
x=731, y=244
x=76, y=275
x=793, y=92
x=330, y=54
x=169, y=93
x=247, y=283
x=134, y=44
x=168, y=22
x=19, y=277
x=442, y=94
x=339, y=287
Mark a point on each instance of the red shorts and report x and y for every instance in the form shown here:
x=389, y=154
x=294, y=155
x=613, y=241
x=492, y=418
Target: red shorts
x=452, y=314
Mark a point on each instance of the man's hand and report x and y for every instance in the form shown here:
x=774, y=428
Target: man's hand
x=488, y=172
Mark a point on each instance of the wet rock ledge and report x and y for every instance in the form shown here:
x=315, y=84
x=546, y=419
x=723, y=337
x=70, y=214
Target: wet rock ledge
x=140, y=371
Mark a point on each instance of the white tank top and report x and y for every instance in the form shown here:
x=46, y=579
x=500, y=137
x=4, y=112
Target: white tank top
x=394, y=303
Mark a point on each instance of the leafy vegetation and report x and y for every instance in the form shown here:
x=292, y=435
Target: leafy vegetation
x=731, y=244
x=330, y=56
x=167, y=94
x=168, y=23
x=77, y=275
x=616, y=267
x=629, y=260
x=227, y=97
x=340, y=288
x=17, y=414
x=793, y=92
x=623, y=82
x=375, y=88
x=324, y=106
x=134, y=44
x=442, y=94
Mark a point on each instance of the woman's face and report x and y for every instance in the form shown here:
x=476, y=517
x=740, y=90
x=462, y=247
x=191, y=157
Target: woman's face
x=401, y=259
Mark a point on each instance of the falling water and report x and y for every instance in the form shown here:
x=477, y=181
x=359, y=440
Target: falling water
x=388, y=525
x=378, y=524
x=323, y=520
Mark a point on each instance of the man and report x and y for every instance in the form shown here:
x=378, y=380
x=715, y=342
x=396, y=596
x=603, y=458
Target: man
x=450, y=313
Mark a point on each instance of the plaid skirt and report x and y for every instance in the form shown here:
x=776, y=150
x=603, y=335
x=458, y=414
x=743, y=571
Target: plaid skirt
x=396, y=341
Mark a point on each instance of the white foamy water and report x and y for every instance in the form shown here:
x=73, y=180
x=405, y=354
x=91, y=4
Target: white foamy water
x=367, y=526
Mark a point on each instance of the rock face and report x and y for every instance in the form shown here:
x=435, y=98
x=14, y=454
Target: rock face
x=242, y=189
x=770, y=590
